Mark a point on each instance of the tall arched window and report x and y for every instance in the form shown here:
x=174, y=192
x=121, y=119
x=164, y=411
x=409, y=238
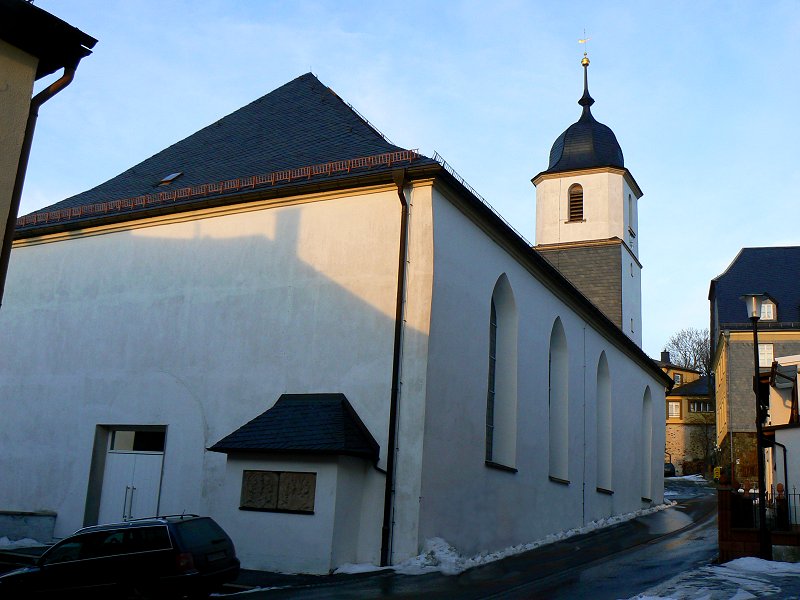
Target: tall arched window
x=576, y=203
x=647, y=445
x=501, y=395
x=558, y=405
x=604, y=425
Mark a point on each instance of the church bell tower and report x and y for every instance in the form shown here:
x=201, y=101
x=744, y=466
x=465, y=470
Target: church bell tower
x=586, y=217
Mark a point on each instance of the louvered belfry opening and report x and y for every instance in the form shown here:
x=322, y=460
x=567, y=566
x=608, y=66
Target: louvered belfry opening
x=576, y=203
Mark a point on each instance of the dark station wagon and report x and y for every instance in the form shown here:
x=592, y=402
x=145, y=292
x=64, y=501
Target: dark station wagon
x=170, y=556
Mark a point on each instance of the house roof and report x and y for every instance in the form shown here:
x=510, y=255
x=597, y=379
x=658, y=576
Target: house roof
x=300, y=124
x=54, y=42
x=774, y=271
x=698, y=387
x=674, y=367
x=304, y=423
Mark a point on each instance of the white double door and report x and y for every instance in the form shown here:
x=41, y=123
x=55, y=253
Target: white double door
x=131, y=486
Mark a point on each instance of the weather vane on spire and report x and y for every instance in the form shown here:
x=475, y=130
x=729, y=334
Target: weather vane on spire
x=585, y=41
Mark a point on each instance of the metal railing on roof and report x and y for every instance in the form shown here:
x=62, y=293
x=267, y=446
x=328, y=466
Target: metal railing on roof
x=438, y=158
x=363, y=118
x=217, y=188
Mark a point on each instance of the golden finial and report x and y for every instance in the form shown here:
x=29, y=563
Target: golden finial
x=584, y=40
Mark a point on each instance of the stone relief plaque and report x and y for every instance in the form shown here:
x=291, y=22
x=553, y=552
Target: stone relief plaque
x=296, y=491
x=260, y=490
x=278, y=491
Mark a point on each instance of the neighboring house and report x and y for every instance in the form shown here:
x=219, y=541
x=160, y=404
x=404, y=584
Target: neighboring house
x=775, y=272
x=690, y=433
x=678, y=374
x=33, y=44
x=327, y=342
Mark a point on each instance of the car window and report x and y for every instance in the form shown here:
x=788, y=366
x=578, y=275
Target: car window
x=102, y=543
x=200, y=532
x=63, y=552
x=144, y=539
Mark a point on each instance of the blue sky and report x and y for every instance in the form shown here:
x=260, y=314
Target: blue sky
x=701, y=95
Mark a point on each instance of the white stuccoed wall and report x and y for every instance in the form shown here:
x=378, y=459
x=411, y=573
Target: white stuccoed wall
x=477, y=508
x=605, y=208
x=198, y=325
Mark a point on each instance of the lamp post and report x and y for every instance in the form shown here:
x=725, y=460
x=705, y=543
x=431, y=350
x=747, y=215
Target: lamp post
x=753, y=302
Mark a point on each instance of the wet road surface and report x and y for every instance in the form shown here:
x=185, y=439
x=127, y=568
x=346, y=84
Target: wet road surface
x=599, y=565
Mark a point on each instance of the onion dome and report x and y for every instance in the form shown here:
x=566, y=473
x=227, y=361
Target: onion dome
x=586, y=144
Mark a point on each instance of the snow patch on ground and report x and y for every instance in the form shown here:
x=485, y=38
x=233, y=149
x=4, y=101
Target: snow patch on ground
x=358, y=568
x=739, y=579
x=440, y=556
x=696, y=477
x=23, y=543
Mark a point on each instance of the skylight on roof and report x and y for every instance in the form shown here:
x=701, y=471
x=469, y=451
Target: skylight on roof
x=170, y=178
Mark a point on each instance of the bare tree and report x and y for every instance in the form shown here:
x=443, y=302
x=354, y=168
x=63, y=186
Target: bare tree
x=690, y=348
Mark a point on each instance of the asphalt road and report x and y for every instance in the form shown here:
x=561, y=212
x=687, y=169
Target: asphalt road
x=599, y=565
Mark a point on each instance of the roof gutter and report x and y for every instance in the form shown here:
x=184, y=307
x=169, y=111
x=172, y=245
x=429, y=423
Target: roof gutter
x=400, y=177
x=39, y=99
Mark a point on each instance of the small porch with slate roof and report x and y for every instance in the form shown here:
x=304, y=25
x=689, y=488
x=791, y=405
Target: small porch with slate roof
x=298, y=472
x=304, y=423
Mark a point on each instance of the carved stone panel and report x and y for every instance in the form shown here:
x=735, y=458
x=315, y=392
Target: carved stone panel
x=280, y=491
x=296, y=491
x=260, y=490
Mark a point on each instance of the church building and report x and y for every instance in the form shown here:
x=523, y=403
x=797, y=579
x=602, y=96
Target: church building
x=331, y=345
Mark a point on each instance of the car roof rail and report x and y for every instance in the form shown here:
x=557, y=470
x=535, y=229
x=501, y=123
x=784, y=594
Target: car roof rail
x=175, y=516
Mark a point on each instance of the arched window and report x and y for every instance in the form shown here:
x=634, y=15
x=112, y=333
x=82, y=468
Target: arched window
x=604, y=425
x=558, y=405
x=501, y=395
x=647, y=445
x=576, y=203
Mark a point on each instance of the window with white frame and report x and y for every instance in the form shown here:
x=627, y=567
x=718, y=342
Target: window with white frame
x=674, y=409
x=765, y=355
x=768, y=311
x=697, y=406
x=677, y=378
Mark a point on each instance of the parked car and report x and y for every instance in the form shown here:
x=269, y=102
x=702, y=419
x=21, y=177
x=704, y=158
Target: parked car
x=669, y=469
x=168, y=556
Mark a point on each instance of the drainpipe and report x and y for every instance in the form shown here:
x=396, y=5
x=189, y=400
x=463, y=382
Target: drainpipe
x=22, y=166
x=400, y=178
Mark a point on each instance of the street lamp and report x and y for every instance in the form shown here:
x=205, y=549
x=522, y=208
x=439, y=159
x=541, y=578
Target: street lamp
x=754, y=302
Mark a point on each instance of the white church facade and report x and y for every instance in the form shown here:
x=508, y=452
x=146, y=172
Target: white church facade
x=327, y=343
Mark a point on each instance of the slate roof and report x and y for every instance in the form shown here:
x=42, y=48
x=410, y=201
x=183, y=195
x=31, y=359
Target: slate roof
x=304, y=423
x=587, y=143
x=774, y=271
x=698, y=387
x=302, y=123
